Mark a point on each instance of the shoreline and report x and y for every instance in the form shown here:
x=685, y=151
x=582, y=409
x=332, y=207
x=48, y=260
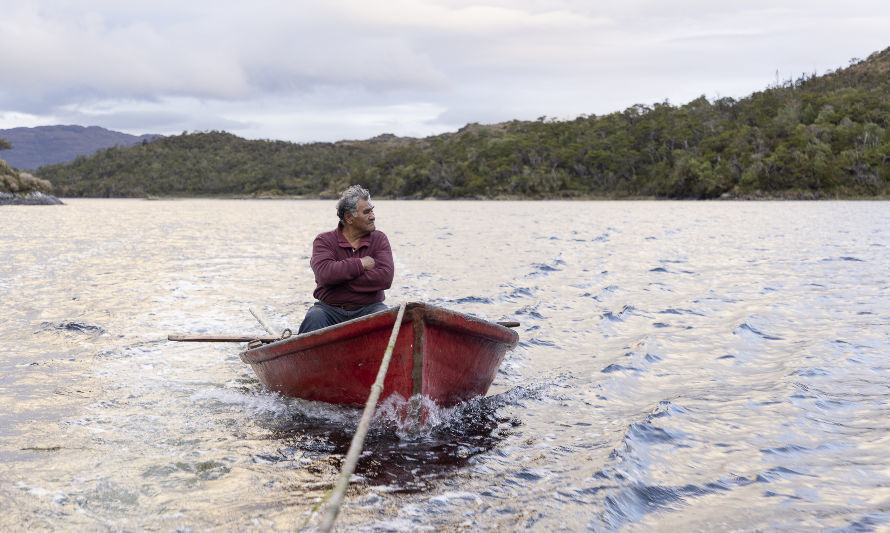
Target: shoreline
x=31, y=198
x=756, y=197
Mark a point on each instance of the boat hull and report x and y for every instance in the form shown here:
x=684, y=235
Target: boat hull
x=445, y=356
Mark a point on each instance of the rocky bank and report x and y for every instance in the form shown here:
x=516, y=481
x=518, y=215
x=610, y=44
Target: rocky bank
x=21, y=188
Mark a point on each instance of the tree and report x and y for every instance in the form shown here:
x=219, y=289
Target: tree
x=4, y=145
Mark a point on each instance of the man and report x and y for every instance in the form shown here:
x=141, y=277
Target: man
x=352, y=265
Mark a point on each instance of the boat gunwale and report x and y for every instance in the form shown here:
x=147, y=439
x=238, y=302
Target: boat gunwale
x=430, y=315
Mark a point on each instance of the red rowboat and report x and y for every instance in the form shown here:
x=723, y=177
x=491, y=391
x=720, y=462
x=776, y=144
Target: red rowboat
x=446, y=356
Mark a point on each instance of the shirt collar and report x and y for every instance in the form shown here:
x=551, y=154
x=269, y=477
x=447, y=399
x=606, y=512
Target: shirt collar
x=344, y=242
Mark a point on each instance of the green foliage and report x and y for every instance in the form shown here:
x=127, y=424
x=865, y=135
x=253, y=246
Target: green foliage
x=15, y=181
x=823, y=136
x=4, y=144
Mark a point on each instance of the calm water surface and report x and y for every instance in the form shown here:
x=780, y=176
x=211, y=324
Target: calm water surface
x=682, y=367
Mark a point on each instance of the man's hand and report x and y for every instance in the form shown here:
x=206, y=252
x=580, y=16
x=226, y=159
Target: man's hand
x=368, y=262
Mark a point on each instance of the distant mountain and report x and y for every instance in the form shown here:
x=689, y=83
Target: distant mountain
x=47, y=145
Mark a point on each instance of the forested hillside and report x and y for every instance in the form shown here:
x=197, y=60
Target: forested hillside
x=215, y=163
x=817, y=136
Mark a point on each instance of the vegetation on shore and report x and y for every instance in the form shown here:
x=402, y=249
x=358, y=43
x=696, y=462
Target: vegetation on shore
x=15, y=181
x=820, y=136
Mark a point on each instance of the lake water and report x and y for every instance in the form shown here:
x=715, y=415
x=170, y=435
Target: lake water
x=683, y=366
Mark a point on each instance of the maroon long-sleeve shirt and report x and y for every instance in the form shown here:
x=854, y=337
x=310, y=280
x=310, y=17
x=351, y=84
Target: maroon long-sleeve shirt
x=339, y=275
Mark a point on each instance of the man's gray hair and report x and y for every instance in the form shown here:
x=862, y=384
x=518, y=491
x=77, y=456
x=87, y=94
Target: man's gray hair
x=349, y=200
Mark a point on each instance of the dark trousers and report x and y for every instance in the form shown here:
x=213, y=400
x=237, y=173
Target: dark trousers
x=322, y=315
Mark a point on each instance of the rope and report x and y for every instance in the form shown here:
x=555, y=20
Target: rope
x=258, y=315
x=358, y=440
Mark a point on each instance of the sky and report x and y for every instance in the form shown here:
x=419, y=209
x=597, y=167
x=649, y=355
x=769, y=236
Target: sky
x=307, y=71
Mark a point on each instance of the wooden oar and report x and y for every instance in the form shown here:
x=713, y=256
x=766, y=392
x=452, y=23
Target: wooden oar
x=263, y=338
x=272, y=337
x=222, y=338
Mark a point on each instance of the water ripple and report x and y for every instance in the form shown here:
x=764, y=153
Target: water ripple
x=683, y=366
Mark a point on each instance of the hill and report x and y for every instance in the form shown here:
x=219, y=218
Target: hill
x=815, y=137
x=46, y=145
x=217, y=163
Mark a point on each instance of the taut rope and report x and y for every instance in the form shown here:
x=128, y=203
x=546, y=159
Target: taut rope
x=358, y=440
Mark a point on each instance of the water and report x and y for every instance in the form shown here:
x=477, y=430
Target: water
x=682, y=367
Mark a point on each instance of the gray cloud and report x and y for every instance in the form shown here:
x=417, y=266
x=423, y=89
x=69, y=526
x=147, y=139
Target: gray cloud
x=309, y=71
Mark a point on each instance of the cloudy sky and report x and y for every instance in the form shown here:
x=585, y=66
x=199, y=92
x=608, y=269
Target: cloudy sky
x=351, y=69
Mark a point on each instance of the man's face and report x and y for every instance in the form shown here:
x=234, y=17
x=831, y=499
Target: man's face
x=363, y=221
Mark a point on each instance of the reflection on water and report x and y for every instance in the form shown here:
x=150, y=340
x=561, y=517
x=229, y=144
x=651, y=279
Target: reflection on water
x=681, y=366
